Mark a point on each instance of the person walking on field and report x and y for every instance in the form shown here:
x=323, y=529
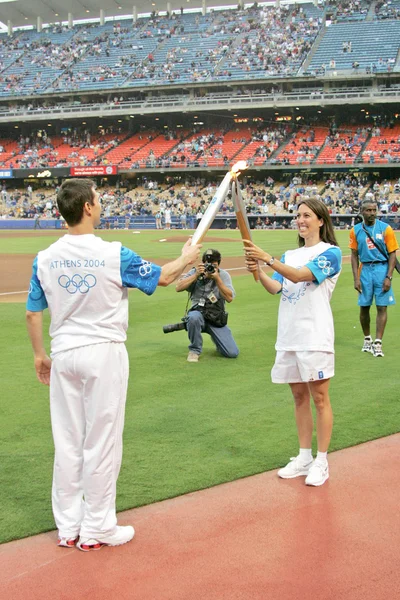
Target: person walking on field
x=167, y=217
x=84, y=282
x=373, y=244
x=37, y=224
x=305, y=279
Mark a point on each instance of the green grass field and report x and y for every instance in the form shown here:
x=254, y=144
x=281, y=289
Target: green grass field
x=190, y=426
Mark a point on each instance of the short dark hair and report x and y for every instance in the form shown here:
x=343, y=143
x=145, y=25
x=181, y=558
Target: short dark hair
x=368, y=201
x=211, y=256
x=72, y=197
x=326, y=232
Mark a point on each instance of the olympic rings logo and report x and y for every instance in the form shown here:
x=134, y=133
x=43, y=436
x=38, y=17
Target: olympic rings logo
x=35, y=293
x=145, y=268
x=325, y=265
x=77, y=283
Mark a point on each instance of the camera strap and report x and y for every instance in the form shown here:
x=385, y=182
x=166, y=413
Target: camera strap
x=375, y=243
x=187, y=304
x=385, y=254
x=202, y=301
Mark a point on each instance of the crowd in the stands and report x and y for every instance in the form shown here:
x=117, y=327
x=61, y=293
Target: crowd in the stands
x=262, y=38
x=189, y=199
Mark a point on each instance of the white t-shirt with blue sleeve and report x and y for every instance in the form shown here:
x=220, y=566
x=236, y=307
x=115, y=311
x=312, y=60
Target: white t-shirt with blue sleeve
x=137, y=272
x=305, y=321
x=36, y=299
x=83, y=280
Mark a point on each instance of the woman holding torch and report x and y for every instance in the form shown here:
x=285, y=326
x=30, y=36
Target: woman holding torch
x=305, y=279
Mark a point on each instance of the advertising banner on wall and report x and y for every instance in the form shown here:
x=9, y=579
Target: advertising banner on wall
x=92, y=171
x=45, y=173
x=6, y=173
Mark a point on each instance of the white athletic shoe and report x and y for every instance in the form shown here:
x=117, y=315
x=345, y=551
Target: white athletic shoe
x=377, y=349
x=193, y=357
x=295, y=468
x=67, y=542
x=367, y=346
x=318, y=473
x=121, y=536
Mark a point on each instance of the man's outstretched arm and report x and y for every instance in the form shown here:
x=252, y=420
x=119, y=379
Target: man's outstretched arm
x=173, y=269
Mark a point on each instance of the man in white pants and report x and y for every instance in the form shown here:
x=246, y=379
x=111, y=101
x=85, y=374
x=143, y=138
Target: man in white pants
x=83, y=280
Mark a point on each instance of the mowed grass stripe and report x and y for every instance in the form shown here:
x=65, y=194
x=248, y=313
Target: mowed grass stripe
x=147, y=243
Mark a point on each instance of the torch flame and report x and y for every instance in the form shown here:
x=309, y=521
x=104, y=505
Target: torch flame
x=239, y=166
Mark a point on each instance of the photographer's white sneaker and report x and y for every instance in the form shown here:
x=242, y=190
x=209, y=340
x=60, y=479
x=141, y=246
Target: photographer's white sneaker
x=193, y=357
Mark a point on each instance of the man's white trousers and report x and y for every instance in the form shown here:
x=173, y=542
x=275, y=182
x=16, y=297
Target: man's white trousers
x=87, y=400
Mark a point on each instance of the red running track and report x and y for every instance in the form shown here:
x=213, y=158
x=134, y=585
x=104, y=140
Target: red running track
x=259, y=538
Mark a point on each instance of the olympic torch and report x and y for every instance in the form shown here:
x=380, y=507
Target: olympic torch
x=216, y=202
x=241, y=216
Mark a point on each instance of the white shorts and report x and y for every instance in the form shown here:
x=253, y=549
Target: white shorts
x=302, y=367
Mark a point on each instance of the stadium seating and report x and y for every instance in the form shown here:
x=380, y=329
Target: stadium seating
x=254, y=152
x=257, y=43
x=260, y=42
x=233, y=143
x=374, y=45
x=344, y=148
x=304, y=147
x=209, y=147
x=122, y=153
x=36, y=60
x=350, y=10
x=388, y=10
x=10, y=149
x=150, y=147
x=383, y=148
x=185, y=48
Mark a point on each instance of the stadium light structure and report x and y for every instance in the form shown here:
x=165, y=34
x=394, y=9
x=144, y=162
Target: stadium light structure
x=3, y=26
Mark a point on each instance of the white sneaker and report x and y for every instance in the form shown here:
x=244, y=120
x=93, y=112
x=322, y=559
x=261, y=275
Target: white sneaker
x=367, y=346
x=295, y=468
x=318, y=473
x=193, y=357
x=67, y=542
x=121, y=536
x=377, y=349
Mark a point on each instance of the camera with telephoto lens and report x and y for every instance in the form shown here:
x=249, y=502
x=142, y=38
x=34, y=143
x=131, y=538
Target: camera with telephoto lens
x=209, y=268
x=176, y=326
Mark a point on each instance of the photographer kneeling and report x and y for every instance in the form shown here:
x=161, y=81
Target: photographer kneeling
x=209, y=288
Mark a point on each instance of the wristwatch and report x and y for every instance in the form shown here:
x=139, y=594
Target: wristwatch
x=388, y=277
x=271, y=261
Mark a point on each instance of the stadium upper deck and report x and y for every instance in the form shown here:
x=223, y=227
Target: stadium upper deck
x=258, y=43
x=263, y=58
